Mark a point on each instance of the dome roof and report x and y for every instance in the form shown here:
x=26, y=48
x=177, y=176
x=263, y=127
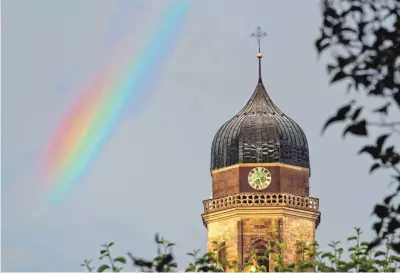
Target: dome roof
x=259, y=133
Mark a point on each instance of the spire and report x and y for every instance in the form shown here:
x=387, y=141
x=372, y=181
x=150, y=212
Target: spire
x=258, y=34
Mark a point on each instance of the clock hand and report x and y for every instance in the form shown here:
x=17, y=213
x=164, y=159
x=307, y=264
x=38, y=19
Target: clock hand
x=255, y=179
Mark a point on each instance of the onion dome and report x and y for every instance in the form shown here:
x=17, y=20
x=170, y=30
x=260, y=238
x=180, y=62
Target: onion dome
x=260, y=133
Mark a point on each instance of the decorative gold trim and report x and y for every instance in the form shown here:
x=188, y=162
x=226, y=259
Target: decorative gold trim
x=277, y=164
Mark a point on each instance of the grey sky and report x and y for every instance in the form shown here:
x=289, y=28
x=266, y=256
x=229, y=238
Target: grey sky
x=51, y=48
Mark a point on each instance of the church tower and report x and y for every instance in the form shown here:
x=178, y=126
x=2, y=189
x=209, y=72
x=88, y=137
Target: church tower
x=260, y=172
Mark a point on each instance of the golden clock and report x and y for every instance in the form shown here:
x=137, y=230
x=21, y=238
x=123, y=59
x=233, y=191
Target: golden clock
x=259, y=178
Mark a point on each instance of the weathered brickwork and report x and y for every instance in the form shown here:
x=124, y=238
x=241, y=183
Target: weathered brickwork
x=225, y=182
x=295, y=181
x=241, y=228
x=295, y=229
x=241, y=233
x=285, y=178
x=224, y=231
x=255, y=229
x=259, y=229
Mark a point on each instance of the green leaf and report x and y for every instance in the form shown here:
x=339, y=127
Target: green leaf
x=372, y=150
x=110, y=244
x=321, y=44
x=395, y=258
x=170, y=244
x=102, y=268
x=381, y=211
x=356, y=113
x=388, y=198
x=374, y=243
x=352, y=238
x=358, y=128
x=142, y=263
x=379, y=253
x=374, y=167
x=377, y=227
x=157, y=238
x=338, y=76
x=327, y=255
x=101, y=257
x=281, y=245
x=341, y=115
x=396, y=97
x=330, y=68
x=381, y=140
x=103, y=251
x=120, y=259
x=383, y=110
x=352, y=248
x=396, y=247
x=393, y=225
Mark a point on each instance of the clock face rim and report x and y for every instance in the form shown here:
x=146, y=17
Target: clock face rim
x=262, y=171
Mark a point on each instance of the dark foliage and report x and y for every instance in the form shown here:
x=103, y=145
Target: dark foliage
x=363, y=38
x=359, y=259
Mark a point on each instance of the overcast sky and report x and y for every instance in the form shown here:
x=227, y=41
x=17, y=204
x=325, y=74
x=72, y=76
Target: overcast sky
x=51, y=49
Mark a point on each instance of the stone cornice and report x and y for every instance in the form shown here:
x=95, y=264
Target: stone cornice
x=244, y=212
x=254, y=199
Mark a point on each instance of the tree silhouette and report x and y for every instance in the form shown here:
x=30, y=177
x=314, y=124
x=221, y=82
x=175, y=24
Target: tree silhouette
x=363, y=38
x=310, y=258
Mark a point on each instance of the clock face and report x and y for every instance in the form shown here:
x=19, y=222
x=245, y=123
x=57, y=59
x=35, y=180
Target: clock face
x=259, y=178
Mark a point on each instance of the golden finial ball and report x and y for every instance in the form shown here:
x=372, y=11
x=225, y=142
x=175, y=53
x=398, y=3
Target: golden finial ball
x=259, y=55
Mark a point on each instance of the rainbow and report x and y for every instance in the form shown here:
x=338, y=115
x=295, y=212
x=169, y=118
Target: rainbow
x=92, y=119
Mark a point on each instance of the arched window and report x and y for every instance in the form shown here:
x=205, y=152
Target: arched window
x=260, y=248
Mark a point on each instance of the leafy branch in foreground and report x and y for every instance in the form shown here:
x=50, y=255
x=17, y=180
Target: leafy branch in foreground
x=360, y=259
x=363, y=38
x=112, y=262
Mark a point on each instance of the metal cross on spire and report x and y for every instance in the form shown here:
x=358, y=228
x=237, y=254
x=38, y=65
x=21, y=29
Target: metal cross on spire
x=258, y=34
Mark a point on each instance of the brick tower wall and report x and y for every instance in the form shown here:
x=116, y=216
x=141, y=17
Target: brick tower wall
x=224, y=231
x=288, y=179
x=296, y=229
x=238, y=232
